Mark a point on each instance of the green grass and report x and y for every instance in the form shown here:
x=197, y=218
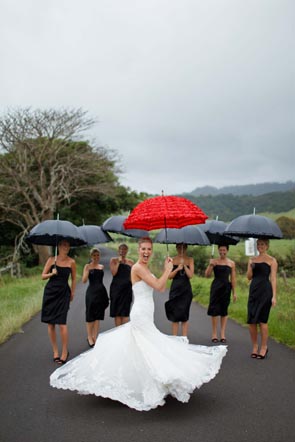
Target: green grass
x=20, y=300
x=282, y=317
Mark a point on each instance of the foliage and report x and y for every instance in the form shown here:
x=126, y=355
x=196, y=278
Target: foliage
x=44, y=168
x=228, y=206
x=287, y=226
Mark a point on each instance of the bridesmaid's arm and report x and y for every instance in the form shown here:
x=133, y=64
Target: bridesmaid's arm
x=114, y=265
x=46, y=274
x=190, y=269
x=85, y=273
x=273, y=280
x=73, y=278
x=233, y=280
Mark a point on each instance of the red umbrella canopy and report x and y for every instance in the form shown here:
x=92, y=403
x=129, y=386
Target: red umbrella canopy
x=164, y=212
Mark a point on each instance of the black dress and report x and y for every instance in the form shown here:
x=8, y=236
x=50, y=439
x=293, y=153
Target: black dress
x=97, y=298
x=180, y=298
x=56, y=297
x=121, y=292
x=220, y=291
x=260, y=294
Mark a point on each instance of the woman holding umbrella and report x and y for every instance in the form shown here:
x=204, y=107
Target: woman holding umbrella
x=224, y=282
x=180, y=295
x=121, y=287
x=262, y=272
x=97, y=299
x=57, y=297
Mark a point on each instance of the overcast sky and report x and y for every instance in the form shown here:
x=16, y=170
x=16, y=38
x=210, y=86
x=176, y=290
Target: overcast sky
x=188, y=92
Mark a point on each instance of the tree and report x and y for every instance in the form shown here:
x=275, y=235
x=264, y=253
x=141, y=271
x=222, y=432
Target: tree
x=43, y=165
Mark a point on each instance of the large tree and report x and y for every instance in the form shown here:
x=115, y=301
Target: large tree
x=44, y=164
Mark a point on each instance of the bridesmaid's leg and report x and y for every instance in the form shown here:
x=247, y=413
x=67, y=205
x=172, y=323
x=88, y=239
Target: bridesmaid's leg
x=64, y=341
x=95, y=330
x=125, y=319
x=264, y=338
x=214, y=320
x=52, y=336
x=184, y=327
x=254, y=337
x=175, y=328
x=89, y=328
x=118, y=321
x=223, y=322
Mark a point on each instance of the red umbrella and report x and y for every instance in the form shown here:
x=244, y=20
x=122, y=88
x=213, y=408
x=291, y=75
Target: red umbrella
x=164, y=212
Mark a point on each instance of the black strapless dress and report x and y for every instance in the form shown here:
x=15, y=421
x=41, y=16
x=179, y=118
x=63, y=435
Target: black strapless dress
x=97, y=298
x=56, y=297
x=260, y=294
x=180, y=298
x=121, y=292
x=220, y=291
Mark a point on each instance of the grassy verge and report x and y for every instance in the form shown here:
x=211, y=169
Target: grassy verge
x=281, y=321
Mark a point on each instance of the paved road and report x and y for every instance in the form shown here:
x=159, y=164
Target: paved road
x=249, y=400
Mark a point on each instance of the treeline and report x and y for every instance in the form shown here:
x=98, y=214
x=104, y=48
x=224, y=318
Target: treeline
x=228, y=206
x=246, y=189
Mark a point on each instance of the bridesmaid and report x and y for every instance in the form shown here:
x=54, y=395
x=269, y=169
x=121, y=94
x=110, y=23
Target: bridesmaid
x=262, y=272
x=57, y=297
x=223, y=284
x=97, y=299
x=121, y=287
x=180, y=295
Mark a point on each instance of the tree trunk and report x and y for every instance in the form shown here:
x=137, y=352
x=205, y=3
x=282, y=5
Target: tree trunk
x=43, y=252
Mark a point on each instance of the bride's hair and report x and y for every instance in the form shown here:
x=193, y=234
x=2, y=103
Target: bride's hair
x=145, y=239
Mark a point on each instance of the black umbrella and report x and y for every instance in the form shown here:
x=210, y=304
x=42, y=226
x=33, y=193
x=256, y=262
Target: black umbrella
x=50, y=232
x=214, y=229
x=254, y=226
x=115, y=223
x=94, y=234
x=192, y=235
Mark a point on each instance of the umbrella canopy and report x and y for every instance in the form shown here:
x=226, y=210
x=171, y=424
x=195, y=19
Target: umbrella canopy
x=115, y=223
x=94, y=234
x=164, y=212
x=192, y=235
x=254, y=226
x=214, y=230
x=50, y=232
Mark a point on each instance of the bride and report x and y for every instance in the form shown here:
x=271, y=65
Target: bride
x=135, y=363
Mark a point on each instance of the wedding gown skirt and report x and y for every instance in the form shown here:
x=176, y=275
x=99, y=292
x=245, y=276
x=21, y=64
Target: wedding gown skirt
x=138, y=365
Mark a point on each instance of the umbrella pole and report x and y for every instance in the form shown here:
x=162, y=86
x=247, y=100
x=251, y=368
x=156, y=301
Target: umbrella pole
x=212, y=251
x=166, y=235
x=55, y=251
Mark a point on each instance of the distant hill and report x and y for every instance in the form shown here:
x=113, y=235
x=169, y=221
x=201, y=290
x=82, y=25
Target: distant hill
x=247, y=189
x=229, y=206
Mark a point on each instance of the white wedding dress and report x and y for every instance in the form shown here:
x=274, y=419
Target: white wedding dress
x=138, y=365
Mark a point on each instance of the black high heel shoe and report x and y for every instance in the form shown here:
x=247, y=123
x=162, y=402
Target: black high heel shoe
x=63, y=361
x=90, y=345
x=262, y=356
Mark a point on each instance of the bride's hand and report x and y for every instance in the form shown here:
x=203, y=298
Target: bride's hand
x=168, y=263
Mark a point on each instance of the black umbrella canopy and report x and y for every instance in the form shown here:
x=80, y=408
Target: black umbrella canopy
x=254, y=226
x=50, y=232
x=115, y=223
x=215, y=229
x=191, y=235
x=94, y=234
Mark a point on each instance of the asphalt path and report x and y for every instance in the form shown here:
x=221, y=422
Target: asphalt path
x=249, y=400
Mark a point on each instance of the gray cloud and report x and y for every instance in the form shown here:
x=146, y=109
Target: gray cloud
x=190, y=93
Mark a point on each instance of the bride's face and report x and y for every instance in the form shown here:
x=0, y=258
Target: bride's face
x=145, y=251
